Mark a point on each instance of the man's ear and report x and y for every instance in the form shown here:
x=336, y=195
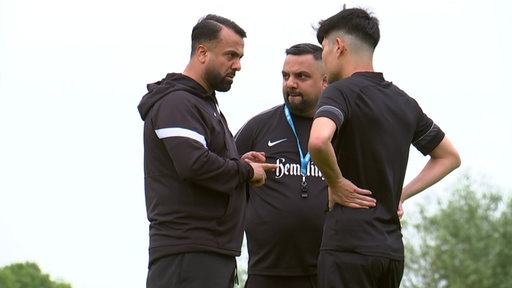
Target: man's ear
x=201, y=53
x=340, y=46
x=324, y=81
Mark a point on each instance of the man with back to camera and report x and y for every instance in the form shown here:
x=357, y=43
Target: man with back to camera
x=195, y=183
x=360, y=140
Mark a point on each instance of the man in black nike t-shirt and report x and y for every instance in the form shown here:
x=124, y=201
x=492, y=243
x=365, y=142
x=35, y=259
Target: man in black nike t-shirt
x=284, y=219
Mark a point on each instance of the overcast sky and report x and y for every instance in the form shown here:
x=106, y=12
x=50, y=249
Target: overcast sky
x=73, y=72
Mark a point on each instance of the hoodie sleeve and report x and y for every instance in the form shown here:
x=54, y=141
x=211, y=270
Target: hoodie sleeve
x=200, y=146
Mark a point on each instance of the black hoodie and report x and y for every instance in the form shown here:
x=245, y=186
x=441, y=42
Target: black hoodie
x=195, y=183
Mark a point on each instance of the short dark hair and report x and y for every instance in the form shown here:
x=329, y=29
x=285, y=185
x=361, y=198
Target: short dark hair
x=356, y=22
x=305, y=49
x=208, y=27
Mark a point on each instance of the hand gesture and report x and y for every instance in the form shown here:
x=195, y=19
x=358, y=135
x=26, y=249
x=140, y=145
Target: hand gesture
x=253, y=156
x=347, y=194
x=259, y=172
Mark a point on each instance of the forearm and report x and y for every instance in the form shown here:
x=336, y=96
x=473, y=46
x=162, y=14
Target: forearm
x=321, y=150
x=196, y=164
x=324, y=158
x=444, y=159
x=341, y=190
x=431, y=174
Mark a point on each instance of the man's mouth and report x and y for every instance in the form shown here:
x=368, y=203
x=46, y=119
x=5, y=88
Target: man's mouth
x=294, y=94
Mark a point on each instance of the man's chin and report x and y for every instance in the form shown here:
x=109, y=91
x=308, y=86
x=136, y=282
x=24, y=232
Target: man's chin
x=224, y=87
x=294, y=100
x=295, y=106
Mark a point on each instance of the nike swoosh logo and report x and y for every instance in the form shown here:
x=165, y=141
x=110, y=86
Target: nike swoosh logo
x=270, y=143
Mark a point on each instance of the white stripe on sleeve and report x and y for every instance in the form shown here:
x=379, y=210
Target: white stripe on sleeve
x=180, y=132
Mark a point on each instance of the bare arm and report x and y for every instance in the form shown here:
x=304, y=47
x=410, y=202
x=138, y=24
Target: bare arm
x=443, y=160
x=341, y=190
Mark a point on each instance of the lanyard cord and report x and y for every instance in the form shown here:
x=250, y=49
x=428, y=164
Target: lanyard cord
x=304, y=160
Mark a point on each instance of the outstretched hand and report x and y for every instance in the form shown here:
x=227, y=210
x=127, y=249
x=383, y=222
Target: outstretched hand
x=257, y=162
x=260, y=172
x=347, y=194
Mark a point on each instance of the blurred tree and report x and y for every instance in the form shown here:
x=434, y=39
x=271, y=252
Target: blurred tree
x=464, y=243
x=27, y=275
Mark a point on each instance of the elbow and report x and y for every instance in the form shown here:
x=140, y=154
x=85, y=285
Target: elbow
x=453, y=161
x=315, y=144
x=456, y=161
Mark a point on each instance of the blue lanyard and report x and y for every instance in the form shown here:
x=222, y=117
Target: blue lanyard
x=304, y=160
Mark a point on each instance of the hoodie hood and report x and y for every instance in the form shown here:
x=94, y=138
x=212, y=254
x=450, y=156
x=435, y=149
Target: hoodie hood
x=172, y=82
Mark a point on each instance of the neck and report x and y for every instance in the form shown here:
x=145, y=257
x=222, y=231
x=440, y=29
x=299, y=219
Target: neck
x=305, y=114
x=189, y=71
x=359, y=63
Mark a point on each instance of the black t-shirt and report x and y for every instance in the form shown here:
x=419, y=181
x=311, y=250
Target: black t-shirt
x=283, y=229
x=376, y=125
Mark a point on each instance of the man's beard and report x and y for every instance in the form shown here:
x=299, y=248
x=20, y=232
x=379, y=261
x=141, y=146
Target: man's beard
x=299, y=108
x=218, y=81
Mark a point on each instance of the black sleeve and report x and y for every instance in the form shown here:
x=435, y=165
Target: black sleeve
x=428, y=141
x=427, y=134
x=191, y=134
x=332, y=105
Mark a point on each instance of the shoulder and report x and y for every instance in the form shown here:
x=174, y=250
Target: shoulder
x=266, y=115
x=342, y=86
x=179, y=100
x=271, y=112
x=262, y=120
x=352, y=86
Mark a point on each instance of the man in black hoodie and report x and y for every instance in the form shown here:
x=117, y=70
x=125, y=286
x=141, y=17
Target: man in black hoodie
x=195, y=183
